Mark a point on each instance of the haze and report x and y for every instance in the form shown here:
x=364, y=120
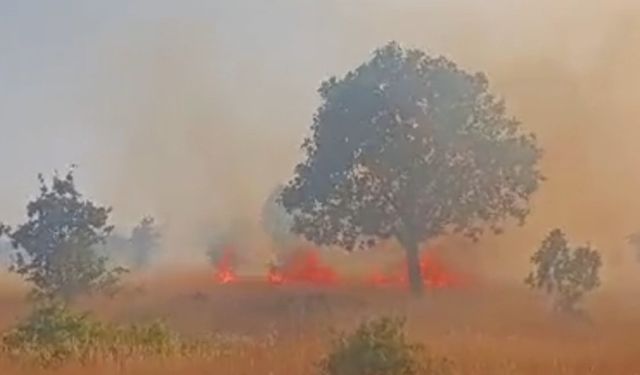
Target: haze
x=193, y=111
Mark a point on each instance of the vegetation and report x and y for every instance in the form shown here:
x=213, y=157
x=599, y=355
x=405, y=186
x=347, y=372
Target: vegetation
x=145, y=241
x=53, y=335
x=54, y=249
x=135, y=250
x=408, y=146
x=490, y=330
x=379, y=347
x=565, y=273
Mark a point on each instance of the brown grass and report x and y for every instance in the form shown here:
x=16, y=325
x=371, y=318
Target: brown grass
x=485, y=331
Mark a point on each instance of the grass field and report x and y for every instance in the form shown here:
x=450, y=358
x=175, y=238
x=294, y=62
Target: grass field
x=488, y=330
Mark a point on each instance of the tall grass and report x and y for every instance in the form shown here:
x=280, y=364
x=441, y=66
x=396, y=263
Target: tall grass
x=493, y=331
x=53, y=335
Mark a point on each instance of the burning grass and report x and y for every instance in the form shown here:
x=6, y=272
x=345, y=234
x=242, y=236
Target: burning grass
x=306, y=267
x=488, y=331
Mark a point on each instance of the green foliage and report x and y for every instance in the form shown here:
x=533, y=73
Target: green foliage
x=565, y=273
x=53, y=335
x=54, y=249
x=379, y=347
x=410, y=146
x=144, y=241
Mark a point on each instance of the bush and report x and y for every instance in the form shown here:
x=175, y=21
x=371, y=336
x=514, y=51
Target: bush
x=379, y=347
x=53, y=335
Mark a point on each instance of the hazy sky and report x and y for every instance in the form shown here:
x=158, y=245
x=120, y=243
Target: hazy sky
x=194, y=110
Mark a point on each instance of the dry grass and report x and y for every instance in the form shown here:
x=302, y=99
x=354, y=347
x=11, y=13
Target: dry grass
x=486, y=331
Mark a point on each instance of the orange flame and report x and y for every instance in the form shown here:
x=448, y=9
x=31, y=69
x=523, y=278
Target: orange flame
x=225, y=273
x=303, y=267
x=434, y=275
x=274, y=276
x=306, y=267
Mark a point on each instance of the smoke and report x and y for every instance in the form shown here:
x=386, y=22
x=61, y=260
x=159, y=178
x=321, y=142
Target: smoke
x=207, y=106
x=202, y=143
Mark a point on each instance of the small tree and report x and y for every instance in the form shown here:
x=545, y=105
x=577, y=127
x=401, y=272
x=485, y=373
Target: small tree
x=144, y=241
x=564, y=273
x=409, y=146
x=54, y=248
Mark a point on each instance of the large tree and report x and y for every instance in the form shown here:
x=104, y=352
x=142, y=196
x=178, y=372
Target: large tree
x=410, y=146
x=55, y=247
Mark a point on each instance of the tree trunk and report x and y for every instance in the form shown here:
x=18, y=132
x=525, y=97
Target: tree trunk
x=413, y=266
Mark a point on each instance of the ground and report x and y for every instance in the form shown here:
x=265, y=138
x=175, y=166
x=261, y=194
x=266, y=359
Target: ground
x=487, y=329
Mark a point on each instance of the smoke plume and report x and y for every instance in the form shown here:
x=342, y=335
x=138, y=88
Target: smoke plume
x=200, y=109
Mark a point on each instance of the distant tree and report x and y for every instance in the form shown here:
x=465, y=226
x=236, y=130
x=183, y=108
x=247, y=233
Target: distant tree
x=144, y=241
x=54, y=248
x=276, y=221
x=565, y=273
x=117, y=247
x=409, y=146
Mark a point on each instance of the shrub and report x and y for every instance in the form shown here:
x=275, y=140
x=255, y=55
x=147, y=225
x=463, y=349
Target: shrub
x=53, y=335
x=379, y=347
